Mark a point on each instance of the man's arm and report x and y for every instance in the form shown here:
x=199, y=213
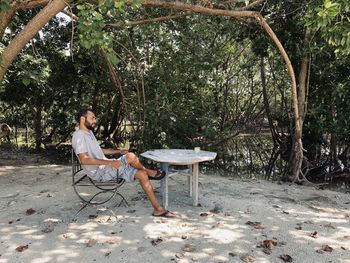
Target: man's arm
x=88, y=160
x=112, y=151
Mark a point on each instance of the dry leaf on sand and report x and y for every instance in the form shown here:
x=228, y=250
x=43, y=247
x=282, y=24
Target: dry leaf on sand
x=256, y=225
x=251, y=223
x=21, y=248
x=113, y=241
x=329, y=226
x=327, y=248
x=247, y=258
x=189, y=248
x=30, y=211
x=313, y=234
x=268, y=243
x=155, y=242
x=91, y=242
x=260, y=226
x=267, y=251
x=286, y=258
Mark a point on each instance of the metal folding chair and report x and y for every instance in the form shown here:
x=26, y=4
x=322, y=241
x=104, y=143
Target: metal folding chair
x=93, y=192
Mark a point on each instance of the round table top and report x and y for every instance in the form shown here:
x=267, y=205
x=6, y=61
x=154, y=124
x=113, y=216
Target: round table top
x=179, y=156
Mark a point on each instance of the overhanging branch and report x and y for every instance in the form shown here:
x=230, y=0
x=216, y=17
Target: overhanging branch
x=145, y=21
x=297, y=143
x=197, y=8
x=251, y=5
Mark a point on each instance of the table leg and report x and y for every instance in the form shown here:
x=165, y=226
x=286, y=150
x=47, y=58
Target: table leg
x=195, y=183
x=164, y=184
x=189, y=181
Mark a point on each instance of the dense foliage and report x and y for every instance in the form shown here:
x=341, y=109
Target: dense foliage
x=184, y=81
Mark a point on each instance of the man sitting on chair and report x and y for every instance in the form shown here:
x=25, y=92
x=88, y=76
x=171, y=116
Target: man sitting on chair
x=98, y=167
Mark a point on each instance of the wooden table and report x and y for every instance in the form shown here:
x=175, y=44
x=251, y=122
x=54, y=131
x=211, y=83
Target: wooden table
x=190, y=158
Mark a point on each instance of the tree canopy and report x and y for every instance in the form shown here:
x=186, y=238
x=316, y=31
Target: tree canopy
x=178, y=74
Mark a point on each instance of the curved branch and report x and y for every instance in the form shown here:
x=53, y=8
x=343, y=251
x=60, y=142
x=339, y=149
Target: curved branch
x=28, y=32
x=114, y=78
x=145, y=21
x=56, y=6
x=28, y=4
x=176, y=5
x=251, y=5
x=297, y=149
x=70, y=14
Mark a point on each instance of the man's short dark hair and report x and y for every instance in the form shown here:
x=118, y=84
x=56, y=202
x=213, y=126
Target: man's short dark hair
x=82, y=113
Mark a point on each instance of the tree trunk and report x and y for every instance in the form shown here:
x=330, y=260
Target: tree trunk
x=37, y=123
x=266, y=101
x=16, y=138
x=27, y=135
x=303, y=78
x=95, y=97
x=333, y=143
x=302, y=103
x=6, y=17
x=28, y=32
x=333, y=153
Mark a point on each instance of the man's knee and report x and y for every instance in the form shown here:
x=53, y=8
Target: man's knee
x=130, y=157
x=141, y=176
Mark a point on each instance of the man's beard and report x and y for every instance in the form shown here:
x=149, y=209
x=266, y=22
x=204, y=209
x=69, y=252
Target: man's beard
x=89, y=126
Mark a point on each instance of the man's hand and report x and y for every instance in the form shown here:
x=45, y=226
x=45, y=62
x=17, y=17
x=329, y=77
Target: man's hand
x=116, y=164
x=113, y=152
x=87, y=160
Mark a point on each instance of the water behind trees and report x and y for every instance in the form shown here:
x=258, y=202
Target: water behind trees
x=248, y=156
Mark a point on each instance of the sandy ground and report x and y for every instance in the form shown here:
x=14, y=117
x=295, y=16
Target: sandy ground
x=238, y=221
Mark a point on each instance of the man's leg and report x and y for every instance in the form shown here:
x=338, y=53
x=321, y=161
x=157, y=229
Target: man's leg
x=146, y=185
x=134, y=161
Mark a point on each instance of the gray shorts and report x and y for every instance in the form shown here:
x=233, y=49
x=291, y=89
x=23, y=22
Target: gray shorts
x=125, y=171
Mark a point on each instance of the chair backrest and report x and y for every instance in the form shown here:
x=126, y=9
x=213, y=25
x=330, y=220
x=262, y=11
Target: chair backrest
x=76, y=166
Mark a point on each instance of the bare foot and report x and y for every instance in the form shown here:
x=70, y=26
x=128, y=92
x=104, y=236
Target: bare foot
x=158, y=175
x=163, y=213
x=151, y=172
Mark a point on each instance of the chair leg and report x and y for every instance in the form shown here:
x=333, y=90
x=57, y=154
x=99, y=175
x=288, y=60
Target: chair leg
x=90, y=202
x=87, y=203
x=81, y=209
x=123, y=200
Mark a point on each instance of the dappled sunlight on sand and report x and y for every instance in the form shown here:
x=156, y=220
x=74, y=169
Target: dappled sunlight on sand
x=248, y=213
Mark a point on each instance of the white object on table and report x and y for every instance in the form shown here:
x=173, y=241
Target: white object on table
x=191, y=158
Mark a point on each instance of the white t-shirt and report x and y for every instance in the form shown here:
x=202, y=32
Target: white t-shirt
x=86, y=142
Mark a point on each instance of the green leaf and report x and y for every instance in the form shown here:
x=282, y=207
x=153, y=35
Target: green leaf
x=26, y=81
x=327, y=4
x=118, y=4
x=113, y=58
x=136, y=3
x=5, y=5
